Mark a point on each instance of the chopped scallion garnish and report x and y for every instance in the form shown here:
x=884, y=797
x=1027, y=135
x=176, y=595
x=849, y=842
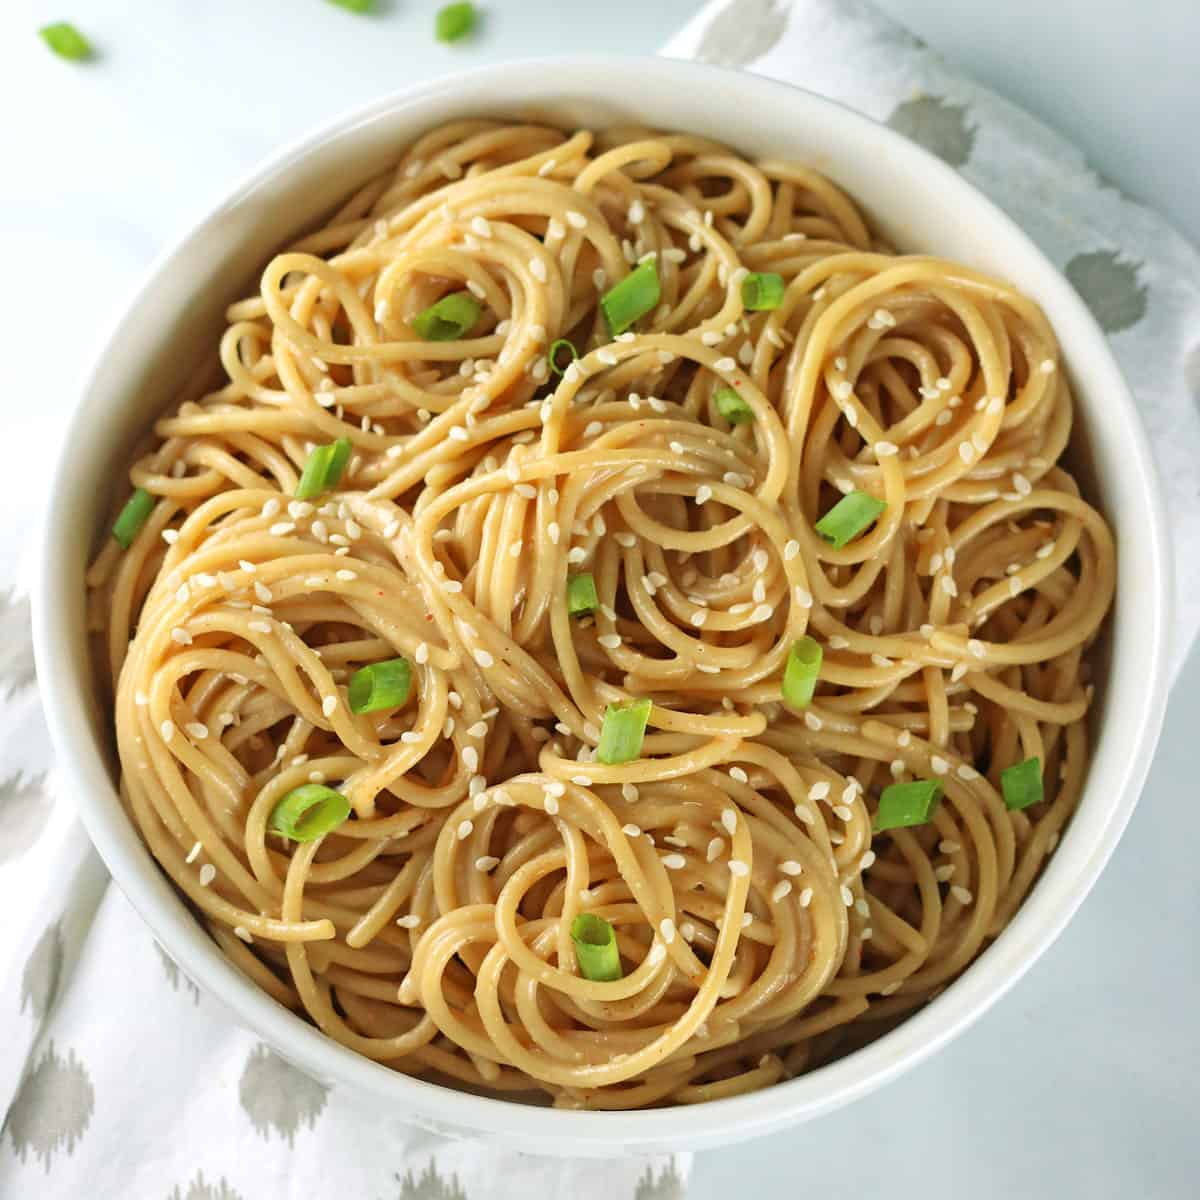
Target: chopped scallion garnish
x=552, y=357
x=454, y=21
x=132, y=517
x=732, y=406
x=1022, y=784
x=380, y=685
x=905, y=804
x=323, y=469
x=66, y=41
x=762, y=290
x=309, y=812
x=801, y=671
x=581, y=595
x=849, y=517
x=449, y=319
x=596, y=948
x=358, y=6
x=622, y=732
x=636, y=295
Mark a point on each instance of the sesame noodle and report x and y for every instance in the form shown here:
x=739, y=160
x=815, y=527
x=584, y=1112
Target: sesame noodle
x=762, y=928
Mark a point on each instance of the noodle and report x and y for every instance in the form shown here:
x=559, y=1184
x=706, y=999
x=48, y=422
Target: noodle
x=763, y=928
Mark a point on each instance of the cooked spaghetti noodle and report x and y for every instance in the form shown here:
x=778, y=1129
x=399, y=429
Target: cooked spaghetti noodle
x=762, y=926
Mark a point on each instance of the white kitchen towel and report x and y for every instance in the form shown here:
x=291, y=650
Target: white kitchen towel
x=119, y=1079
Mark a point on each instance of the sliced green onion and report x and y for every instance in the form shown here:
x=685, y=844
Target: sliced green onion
x=595, y=948
x=552, y=356
x=849, y=517
x=380, y=685
x=762, y=290
x=732, y=406
x=904, y=804
x=358, y=6
x=581, y=595
x=454, y=21
x=801, y=671
x=636, y=295
x=1022, y=784
x=309, y=812
x=448, y=319
x=622, y=732
x=132, y=517
x=66, y=41
x=323, y=469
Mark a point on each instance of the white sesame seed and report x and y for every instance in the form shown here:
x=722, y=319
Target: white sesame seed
x=976, y=647
x=329, y=705
x=725, y=364
x=804, y=598
x=813, y=721
x=958, y=671
x=181, y=636
x=674, y=862
x=550, y=804
x=948, y=585
x=1047, y=366
x=966, y=771
x=537, y=269
x=738, y=868
x=961, y=894
x=610, y=641
x=940, y=765
x=483, y=658
x=1015, y=586
x=703, y=494
x=819, y=790
x=629, y=792
x=847, y=896
x=196, y=729
x=667, y=928
x=806, y=897
x=886, y=449
x=576, y=219
x=207, y=874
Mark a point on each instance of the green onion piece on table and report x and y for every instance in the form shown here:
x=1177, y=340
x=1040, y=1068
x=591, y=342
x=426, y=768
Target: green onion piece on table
x=380, y=685
x=762, y=290
x=309, y=812
x=905, y=804
x=357, y=6
x=323, y=469
x=132, y=517
x=552, y=357
x=581, y=595
x=449, y=319
x=622, y=732
x=800, y=672
x=849, y=517
x=596, y=948
x=636, y=295
x=1022, y=784
x=732, y=406
x=455, y=21
x=66, y=41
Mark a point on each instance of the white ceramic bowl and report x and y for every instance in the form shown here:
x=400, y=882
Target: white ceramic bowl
x=919, y=203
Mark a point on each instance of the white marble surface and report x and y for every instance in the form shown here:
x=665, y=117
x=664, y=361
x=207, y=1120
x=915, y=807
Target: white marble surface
x=1084, y=1081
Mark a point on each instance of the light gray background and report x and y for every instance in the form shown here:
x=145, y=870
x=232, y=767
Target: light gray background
x=1085, y=1080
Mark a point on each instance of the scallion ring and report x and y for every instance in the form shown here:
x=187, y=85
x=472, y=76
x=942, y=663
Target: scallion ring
x=1022, y=785
x=849, y=517
x=323, y=469
x=380, y=685
x=635, y=296
x=801, y=671
x=902, y=805
x=308, y=812
x=596, y=948
x=762, y=290
x=449, y=319
x=732, y=406
x=622, y=733
x=132, y=517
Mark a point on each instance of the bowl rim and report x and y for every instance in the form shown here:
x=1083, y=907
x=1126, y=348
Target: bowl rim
x=1036, y=924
